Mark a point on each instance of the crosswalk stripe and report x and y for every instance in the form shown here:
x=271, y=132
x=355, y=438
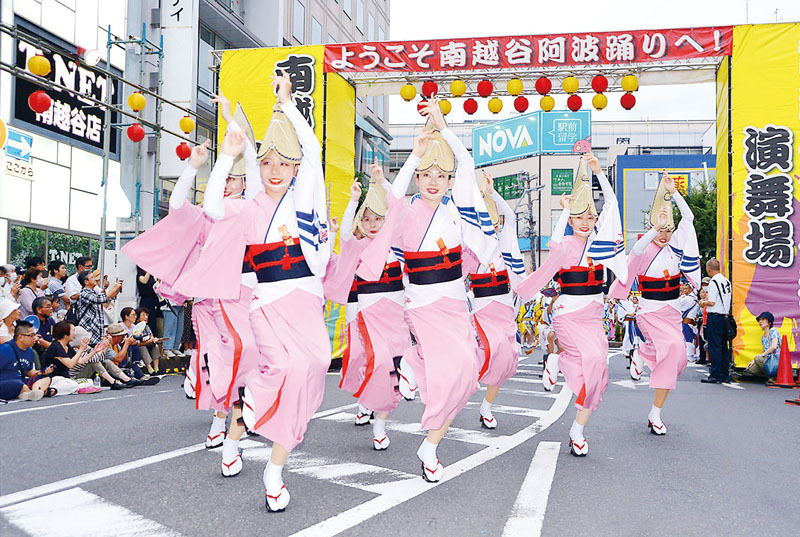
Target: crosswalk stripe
x=529, y=508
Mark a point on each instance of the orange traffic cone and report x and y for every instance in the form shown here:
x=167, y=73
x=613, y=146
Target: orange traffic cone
x=785, y=377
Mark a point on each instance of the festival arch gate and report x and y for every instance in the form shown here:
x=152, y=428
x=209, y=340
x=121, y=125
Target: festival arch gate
x=757, y=73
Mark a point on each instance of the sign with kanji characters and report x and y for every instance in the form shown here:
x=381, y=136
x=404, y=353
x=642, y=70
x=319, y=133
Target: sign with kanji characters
x=565, y=132
x=70, y=115
x=561, y=181
x=555, y=50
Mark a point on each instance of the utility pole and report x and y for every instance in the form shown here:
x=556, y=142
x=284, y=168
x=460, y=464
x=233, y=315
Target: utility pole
x=524, y=180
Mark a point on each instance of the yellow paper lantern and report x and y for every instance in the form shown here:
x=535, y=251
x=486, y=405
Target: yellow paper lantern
x=495, y=105
x=458, y=88
x=570, y=84
x=39, y=65
x=136, y=101
x=547, y=103
x=445, y=105
x=187, y=124
x=514, y=86
x=630, y=83
x=408, y=92
x=599, y=101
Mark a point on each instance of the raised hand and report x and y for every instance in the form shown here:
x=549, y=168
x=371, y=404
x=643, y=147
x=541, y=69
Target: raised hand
x=334, y=225
x=593, y=162
x=565, y=200
x=355, y=190
x=487, y=178
x=669, y=182
x=233, y=144
x=421, y=143
x=662, y=218
x=377, y=172
x=199, y=155
x=224, y=106
x=433, y=111
x=283, y=84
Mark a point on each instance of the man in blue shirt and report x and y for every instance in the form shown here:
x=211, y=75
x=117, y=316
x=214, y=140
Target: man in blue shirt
x=18, y=376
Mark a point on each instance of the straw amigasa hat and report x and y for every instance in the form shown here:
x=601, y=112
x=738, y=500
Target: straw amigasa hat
x=582, y=192
x=438, y=153
x=281, y=137
x=375, y=201
x=662, y=199
x=239, y=168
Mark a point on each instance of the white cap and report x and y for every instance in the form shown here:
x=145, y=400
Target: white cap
x=6, y=307
x=80, y=333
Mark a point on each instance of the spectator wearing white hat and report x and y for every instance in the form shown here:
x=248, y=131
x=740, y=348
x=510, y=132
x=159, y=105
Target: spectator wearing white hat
x=9, y=286
x=9, y=313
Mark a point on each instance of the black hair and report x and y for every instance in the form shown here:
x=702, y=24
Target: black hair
x=21, y=327
x=82, y=277
x=30, y=275
x=54, y=265
x=125, y=312
x=38, y=301
x=33, y=261
x=139, y=312
x=81, y=261
x=61, y=329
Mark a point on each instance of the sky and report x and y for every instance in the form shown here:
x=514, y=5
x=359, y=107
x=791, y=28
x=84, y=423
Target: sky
x=441, y=19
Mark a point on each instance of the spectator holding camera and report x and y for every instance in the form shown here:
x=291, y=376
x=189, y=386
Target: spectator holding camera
x=72, y=286
x=18, y=376
x=89, y=307
x=121, y=353
x=150, y=345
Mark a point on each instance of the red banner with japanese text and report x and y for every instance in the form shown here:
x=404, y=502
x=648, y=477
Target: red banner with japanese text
x=555, y=50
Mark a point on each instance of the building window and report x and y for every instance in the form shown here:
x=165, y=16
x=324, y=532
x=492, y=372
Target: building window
x=371, y=103
x=205, y=78
x=316, y=32
x=331, y=39
x=347, y=5
x=651, y=180
x=370, y=27
x=381, y=110
x=360, y=15
x=299, y=22
x=381, y=34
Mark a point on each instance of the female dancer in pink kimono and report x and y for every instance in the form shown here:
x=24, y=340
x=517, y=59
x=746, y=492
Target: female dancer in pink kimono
x=578, y=311
x=657, y=260
x=493, y=309
x=432, y=230
x=287, y=248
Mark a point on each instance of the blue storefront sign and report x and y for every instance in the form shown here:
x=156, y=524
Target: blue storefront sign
x=19, y=145
x=530, y=134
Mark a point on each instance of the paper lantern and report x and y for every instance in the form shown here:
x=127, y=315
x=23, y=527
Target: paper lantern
x=183, y=151
x=135, y=133
x=599, y=84
x=543, y=85
x=136, y=101
x=408, y=92
x=485, y=88
x=429, y=89
x=627, y=101
x=39, y=65
x=186, y=124
x=574, y=102
x=599, y=101
x=445, y=105
x=521, y=104
x=421, y=106
x=547, y=103
x=470, y=106
x=495, y=105
x=570, y=84
x=458, y=88
x=514, y=86
x=630, y=83
x=39, y=102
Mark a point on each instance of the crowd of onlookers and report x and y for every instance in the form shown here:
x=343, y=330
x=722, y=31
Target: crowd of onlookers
x=62, y=335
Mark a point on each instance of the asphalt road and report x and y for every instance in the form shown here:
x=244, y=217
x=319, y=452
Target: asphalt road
x=131, y=463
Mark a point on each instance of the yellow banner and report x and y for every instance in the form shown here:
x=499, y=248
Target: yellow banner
x=723, y=169
x=765, y=195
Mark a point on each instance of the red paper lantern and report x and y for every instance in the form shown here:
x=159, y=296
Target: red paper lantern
x=574, y=102
x=429, y=89
x=521, y=104
x=39, y=102
x=627, y=101
x=183, y=151
x=485, y=88
x=421, y=105
x=470, y=106
x=543, y=85
x=599, y=84
x=135, y=133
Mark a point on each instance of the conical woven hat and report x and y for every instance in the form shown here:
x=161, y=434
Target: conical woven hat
x=438, y=153
x=662, y=199
x=239, y=168
x=281, y=137
x=582, y=192
x=375, y=201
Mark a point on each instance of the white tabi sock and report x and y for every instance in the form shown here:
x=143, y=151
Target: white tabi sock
x=230, y=448
x=427, y=454
x=379, y=428
x=655, y=415
x=273, y=477
x=217, y=425
x=486, y=409
x=576, y=432
x=362, y=409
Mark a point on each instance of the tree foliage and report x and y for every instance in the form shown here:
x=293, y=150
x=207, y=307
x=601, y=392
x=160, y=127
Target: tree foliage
x=702, y=200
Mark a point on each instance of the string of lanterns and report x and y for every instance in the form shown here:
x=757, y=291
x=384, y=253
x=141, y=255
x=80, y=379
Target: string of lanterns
x=543, y=86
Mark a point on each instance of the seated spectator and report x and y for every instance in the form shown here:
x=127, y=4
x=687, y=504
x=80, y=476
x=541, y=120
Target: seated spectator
x=149, y=345
x=30, y=290
x=18, y=377
x=55, y=288
x=123, y=350
x=148, y=298
x=9, y=314
x=64, y=358
x=72, y=286
x=9, y=288
x=102, y=362
x=89, y=308
x=43, y=309
x=765, y=365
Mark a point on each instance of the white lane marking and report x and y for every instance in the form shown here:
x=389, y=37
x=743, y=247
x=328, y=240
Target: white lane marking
x=396, y=492
x=59, y=405
x=630, y=384
x=28, y=494
x=732, y=385
x=523, y=393
x=528, y=511
x=76, y=512
x=330, y=411
x=516, y=410
x=345, y=474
